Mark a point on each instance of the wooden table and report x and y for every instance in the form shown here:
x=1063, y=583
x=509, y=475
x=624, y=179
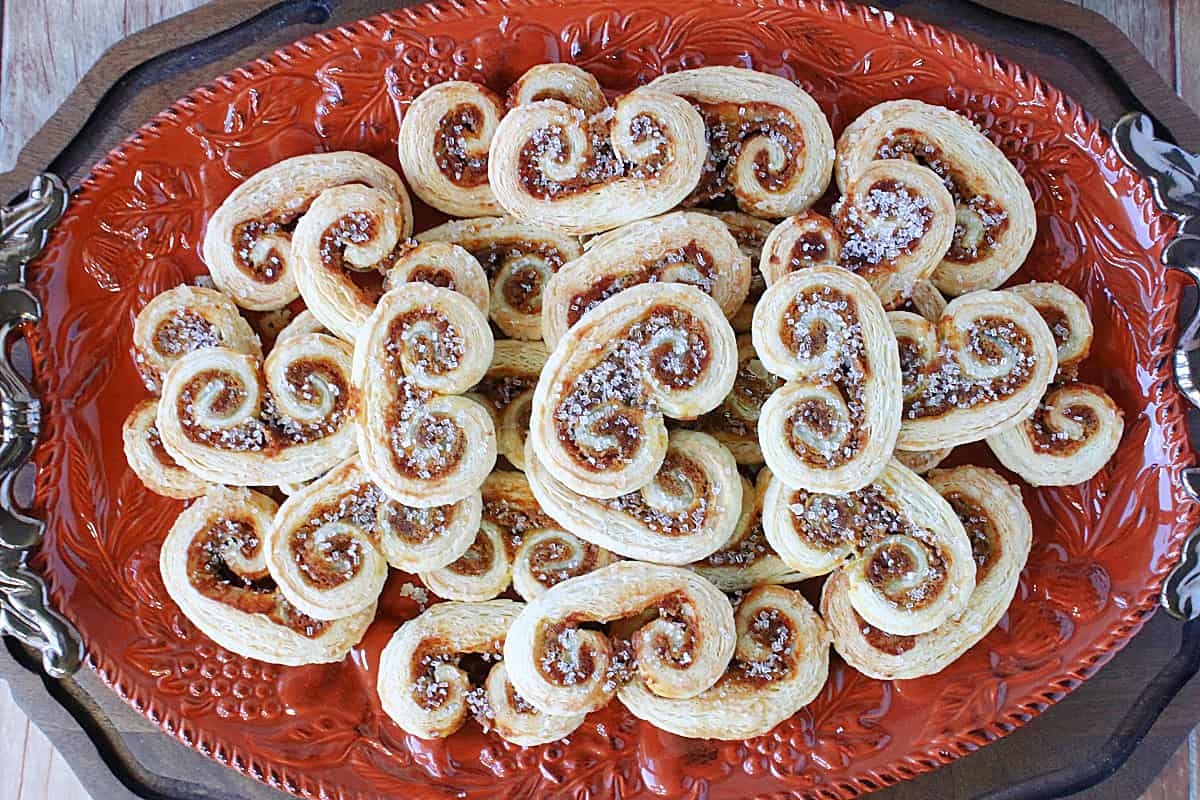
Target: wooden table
x=46, y=45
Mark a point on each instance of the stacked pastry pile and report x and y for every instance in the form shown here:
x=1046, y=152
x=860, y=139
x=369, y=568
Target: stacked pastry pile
x=640, y=382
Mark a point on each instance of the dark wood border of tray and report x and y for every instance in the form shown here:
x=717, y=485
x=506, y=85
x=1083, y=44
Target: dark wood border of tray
x=118, y=754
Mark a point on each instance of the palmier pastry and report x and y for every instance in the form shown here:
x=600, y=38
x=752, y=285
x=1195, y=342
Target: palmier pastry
x=182, y=320
x=348, y=235
x=804, y=240
x=995, y=222
x=652, y=350
x=688, y=510
x=926, y=300
x=302, y=323
x=1071, y=435
x=905, y=555
x=150, y=461
x=895, y=220
x=519, y=259
x=441, y=264
x=247, y=245
x=750, y=233
x=213, y=566
x=769, y=143
x=735, y=422
x=422, y=346
x=1068, y=319
x=229, y=418
x=682, y=247
x=1000, y=531
x=982, y=369
x=554, y=165
x=549, y=556
x=747, y=560
x=332, y=541
x=565, y=82
x=426, y=692
x=508, y=389
x=780, y=665
x=832, y=427
x=562, y=668
x=444, y=138
x=510, y=511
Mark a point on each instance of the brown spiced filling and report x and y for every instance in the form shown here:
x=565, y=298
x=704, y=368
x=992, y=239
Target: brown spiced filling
x=451, y=150
x=678, y=477
x=772, y=631
x=183, y=332
x=985, y=542
x=690, y=264
x=1046, y=439
x=728, y=126
x=478, y=559
x=880, y=225
x=414, y=526
x=267, y=267
x=251, y=592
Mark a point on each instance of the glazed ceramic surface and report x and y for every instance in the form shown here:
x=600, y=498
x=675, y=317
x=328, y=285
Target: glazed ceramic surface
x=134, y=229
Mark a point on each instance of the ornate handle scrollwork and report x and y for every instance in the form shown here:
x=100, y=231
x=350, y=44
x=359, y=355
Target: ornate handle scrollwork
x=1174, y=175
x=25, y=611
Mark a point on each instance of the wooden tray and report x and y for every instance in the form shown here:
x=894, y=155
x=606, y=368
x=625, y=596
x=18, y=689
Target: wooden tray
x=117, y=96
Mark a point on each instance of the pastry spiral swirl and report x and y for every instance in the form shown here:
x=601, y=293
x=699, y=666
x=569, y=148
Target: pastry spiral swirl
x=750, y=233
x=833, y=426
x=769, y=143
x=1071, y=435
x=562, y=668
x=682, y=247
x=652, y=350
x=564, y=82
x=747, y=560
x=422, y=346
x=734, y=423
x=995, y=222
x=150, y=461
x=425, y=691
x=905, y=556
x=441, y=264
x=548, y=556
x=443, y=145
x=1000, y=532
x=1068, y=319
x=896, y=221
x=508, y=389
x=519, y=259
x=347, y=239
x=213, y=566
x=247, y=245
x=228, y=419
x=981, y=370
x=688, y=510
x=184, y=319
x=330, y=545
x=510, y=511
x=553, y=165
x=780, y=665
x=804, y=240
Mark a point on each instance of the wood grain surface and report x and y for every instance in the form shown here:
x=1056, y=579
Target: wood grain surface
x=47, y=45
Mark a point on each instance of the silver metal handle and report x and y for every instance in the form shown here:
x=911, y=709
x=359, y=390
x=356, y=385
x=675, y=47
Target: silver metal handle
x=25, y=610
x=1174, y=175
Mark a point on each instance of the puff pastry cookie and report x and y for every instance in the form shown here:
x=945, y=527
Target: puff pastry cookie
x=833, y=426
x=1001, y=533
x=425, y=691
x=228, y=418
x=804, y=240
x=422, y=443
x=982, y=369
x=562, y=668
x=905, y=555
x=213, y=566
x=735, y=422
x=248, y=242
x=780, y=665
x=554, y=165
x=653, y=350
x=769, y=143
x=150, y=461
x=507, y=388
x=995, y=222
x=682, y=247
